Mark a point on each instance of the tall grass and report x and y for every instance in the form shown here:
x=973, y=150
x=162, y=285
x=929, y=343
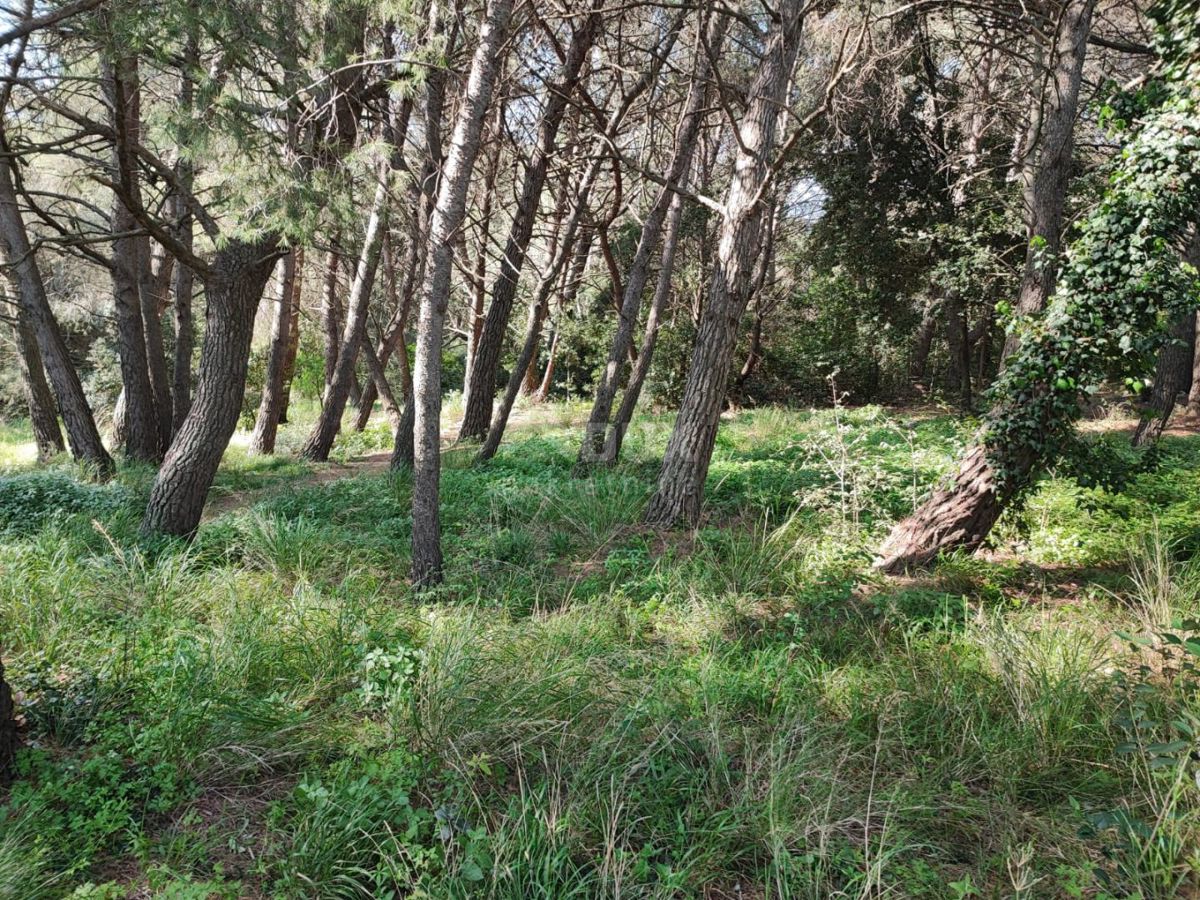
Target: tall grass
x=591, y=709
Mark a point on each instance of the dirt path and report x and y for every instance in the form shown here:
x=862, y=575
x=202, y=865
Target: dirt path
x=219, y=504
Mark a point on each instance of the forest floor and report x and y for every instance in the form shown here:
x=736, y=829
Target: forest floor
x=589, y=708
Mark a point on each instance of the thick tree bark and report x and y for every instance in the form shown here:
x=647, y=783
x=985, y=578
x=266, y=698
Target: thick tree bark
x=293, y=342
x=1047, y=174
x=82, y=434
x=689, y=450
x=447, y=218
x=329, y=422
x=266, y=425
x=595, y=436
x=956, y=517
x=1172, y=379
x=43, y=417
x=234, y=289
x=481, y=389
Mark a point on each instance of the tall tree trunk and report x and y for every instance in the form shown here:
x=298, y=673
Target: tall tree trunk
x=234, y=289
x=154, y=287
x=142, y=439
x=1047, y=173
x=185, y=338
x=1172, y=378
x=542, y=394
x=959, y=343
x=537, y=315
x=331, y=313
x=641, y=368
x=47, y=436
x=266, y=425
x=483, y=247
x=447, y=217
x=82, y=434
x=481, y=389
x=329, y=422
x=293, y=342
x=689, y=450
x=918, y=359
x=596, y=431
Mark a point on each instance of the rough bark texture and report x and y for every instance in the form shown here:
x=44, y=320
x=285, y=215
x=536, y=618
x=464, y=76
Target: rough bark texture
x=1047, y=175
x=82, y=434
x=481, y=388
x=447, y=218
x=1172, y=380
x=689, y=450
x=957, y=517
x=596, y=431
x=270, y=407
x=240, y=272
x=329, y=422
x=8, y=730
x=40, y=401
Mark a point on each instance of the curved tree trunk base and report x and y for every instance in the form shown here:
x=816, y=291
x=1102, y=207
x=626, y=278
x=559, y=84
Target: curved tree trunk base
x=959, y=517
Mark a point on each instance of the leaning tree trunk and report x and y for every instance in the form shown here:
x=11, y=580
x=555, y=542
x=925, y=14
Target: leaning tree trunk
x=447, y=219
x=234, y=289
x=1045, y=180
x=1094, y=329
x=47, y=436
x=641, y=368
x=8, y=730
x=328, y=423
x=270, y=407
x=591, y=449
x=481, y=388
x=533, y=331
x=1172, y=378
x=689, y=450
x=82, y=433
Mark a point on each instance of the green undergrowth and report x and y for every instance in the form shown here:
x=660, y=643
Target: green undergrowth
x=591, y=709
